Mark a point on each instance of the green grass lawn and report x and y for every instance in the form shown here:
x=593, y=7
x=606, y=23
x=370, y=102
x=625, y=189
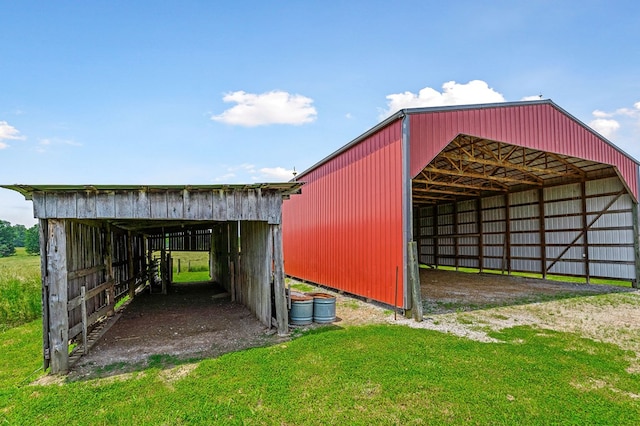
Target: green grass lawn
x=194, y=266
x=562, y=278
x=361, y=375
x=20, y=289
x=378, y=374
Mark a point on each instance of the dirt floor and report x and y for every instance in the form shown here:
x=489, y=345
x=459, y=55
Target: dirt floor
x=198, y=321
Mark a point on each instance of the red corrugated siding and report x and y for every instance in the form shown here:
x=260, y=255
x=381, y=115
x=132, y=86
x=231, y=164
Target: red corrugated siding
x=539, y=126
x=345, y=229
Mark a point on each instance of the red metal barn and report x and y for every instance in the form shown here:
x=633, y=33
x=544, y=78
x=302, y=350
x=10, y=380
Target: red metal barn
x=513, y=186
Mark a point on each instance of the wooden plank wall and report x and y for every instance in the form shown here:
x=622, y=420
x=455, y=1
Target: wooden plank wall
x=86, y=267
x=254, y=286
x=212, y=205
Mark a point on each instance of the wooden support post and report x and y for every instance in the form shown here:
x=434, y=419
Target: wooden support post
x=282, y=316
x=543, y=234
x=585, y=231
x=130, y=278
x=506, y=255
x=83, y=308
x=456, y=234
x=480, y=226
x=109, y=264
x=436, y=242
x=414, y=281
x=163, y=263
x=636, y=244
x=57, y=279
x=44, y=235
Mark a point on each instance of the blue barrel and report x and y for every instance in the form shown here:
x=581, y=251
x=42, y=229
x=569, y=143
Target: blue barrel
x=324, y=308
x=301, y=310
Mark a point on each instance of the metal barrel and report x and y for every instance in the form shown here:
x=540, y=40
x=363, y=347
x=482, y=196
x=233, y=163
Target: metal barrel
x=301, y=310
x=324, y=308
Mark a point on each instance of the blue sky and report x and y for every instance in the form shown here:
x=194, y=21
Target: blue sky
x=204, y=92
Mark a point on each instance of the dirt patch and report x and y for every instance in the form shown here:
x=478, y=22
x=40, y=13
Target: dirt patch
x=446, y=291
x=193, y=321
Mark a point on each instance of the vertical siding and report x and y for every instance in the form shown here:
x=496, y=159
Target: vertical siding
x=538, y=126
x=345, y=229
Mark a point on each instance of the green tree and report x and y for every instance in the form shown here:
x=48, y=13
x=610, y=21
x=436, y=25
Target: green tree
x=32, y=240
x=7, y=248
x=19, y=232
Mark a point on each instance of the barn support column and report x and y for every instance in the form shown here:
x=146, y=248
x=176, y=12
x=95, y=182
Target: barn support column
x=278, y=282
x=636, y=244
x=56, y=260
x=44, y=238
x=131, y=277
x=543, y=234
x=585, y=231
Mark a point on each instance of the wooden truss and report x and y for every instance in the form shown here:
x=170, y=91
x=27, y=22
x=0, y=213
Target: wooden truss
x=471, y=167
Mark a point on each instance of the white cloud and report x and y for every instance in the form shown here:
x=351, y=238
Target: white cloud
x=605, y=126
x=276, y=174
x=473, y=92
x=608, y=123
x=46, y=143
x=8, y=132
x=276, y=107
x=249, y=173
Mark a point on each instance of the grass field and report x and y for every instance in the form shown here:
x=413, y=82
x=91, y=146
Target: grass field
x=360, y=375
x=375, y=374
x=563, y=278
x=20, y=289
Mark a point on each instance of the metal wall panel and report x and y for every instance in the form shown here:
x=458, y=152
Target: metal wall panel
x=596, y=242
x=345, y=229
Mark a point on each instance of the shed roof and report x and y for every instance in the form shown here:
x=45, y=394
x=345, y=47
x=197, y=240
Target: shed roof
x=285, y=188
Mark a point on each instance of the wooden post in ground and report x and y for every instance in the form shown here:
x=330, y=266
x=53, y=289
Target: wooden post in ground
x=111, y=294
x=83, y=307
x=414, y=281
x=44, y=235
x=131, y=277
x=282, y=315
x=57, y=279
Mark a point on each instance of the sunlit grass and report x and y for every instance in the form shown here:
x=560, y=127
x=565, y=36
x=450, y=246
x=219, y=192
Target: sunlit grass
x=560, y=278
x=361, y=375
x=20, y=289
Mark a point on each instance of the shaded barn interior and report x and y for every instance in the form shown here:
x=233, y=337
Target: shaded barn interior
x=485, y=204
x=97, y=245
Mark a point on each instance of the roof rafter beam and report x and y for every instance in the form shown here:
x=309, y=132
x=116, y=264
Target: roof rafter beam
x=503, y=179
x=506, y=164
x=502, y=188
x=442, y=191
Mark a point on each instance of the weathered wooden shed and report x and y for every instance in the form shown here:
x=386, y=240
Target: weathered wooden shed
x=97, y=240
x=512, y=187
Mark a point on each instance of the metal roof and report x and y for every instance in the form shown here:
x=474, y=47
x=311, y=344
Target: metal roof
x=427, y=110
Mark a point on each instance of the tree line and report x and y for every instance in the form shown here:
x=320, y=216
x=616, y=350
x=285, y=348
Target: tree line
x=18, y=236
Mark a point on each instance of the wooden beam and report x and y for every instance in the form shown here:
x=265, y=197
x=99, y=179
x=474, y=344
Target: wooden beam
x=529, y=170
x=442, y=191
x=43, y=231
x=58, y=290
x=489, y=187
x=414, y=282
x=278, y=282
x=504, y=179
x=594, y=220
